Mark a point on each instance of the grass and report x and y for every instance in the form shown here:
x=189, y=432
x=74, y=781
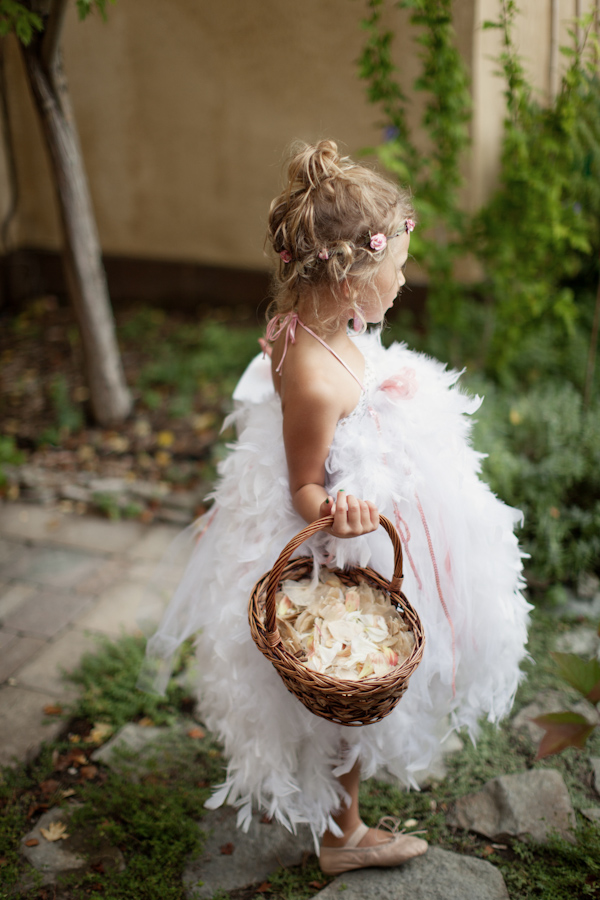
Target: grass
x=153, y=819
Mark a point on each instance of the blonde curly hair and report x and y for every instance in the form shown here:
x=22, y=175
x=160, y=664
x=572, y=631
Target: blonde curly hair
x=320, y=227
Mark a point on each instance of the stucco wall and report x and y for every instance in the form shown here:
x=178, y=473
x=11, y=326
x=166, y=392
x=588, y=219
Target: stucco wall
x=185, y=110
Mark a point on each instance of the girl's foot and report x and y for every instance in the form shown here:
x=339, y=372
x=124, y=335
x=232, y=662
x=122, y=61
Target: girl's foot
x=381, y=846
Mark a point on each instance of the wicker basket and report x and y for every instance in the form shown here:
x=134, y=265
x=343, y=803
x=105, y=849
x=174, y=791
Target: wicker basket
x=345, y=702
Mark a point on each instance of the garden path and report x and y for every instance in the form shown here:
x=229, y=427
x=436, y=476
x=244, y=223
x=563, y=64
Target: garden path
x=64, y=580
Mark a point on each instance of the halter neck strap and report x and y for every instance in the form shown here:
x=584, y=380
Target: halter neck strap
x=288, y=324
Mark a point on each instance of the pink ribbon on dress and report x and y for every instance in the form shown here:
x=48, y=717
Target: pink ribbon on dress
x=274, y=329
x=403, y=385
x=405, y=538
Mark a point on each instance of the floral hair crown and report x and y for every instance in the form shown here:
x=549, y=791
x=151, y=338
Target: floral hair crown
x=377, y=242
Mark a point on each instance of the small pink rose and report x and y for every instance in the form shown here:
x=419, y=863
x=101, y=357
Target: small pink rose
x=378, y=242
x=402, y=386
x=285, y=255
x=324, y=253
x=409, y=226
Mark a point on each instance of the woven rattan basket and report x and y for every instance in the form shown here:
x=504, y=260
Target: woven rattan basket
x=345, y=702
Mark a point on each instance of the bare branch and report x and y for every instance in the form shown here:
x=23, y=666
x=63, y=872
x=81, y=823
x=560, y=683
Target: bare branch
x=52, y=35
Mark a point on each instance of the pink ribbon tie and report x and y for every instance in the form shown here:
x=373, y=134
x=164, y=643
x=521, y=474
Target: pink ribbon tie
x=274, y=329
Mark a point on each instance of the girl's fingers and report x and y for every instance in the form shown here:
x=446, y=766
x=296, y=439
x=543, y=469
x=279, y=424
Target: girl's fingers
x=354, y=514
x=373, y=514
x=327, y=508
x=353, y=517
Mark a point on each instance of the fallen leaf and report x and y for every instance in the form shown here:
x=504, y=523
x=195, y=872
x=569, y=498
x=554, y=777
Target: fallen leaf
x=263, y=888
x=203, y=421
x=49, y=786
x=32, y=842
x=410, y=823
x=3, y=861
x=146, y=722
x=487, y=851
x=582, y=674
x=563, y=729
x=317, y=884
x=500, y=846
x=56, y=831
x=75, y=738
x=88, y=772
x=98, y=867
x=227, y=849
x=162, y=458
x=68, y=793
x=195, y=733
x=53, y=709
x=165, y=438
x=100, y=731
x=35, y=808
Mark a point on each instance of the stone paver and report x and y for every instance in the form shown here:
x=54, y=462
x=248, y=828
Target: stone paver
x=154, y=543
x=22, y=723
x=49, y=526
x=109, y=573
x=10, y=551
x=115, y=610
x=17, y=652
x=46, y=613
x=44, y=672
x=439, y=875
x=63, y=580
x=212, y=870
x=53, y=567
x=13, y=596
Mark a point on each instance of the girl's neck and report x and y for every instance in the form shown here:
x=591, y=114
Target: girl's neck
x=327, y=325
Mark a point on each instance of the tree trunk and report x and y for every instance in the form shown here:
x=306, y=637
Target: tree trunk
x=86, y=282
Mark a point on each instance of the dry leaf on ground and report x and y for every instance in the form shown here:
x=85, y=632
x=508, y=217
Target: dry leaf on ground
x=56, y=831
x=196, y=733
x=99, y=733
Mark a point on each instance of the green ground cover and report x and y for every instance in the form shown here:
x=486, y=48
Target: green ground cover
x=153, y=820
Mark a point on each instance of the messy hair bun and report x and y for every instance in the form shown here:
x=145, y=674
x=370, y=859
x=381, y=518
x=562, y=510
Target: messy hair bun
x=322, y=223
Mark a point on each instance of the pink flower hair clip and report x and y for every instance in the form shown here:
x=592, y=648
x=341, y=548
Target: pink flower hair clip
x=378, y=242
x=409, y=226
x=323, y=254
x=285, y=255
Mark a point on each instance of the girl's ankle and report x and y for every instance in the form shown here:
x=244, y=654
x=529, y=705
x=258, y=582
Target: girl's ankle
x=330, y=840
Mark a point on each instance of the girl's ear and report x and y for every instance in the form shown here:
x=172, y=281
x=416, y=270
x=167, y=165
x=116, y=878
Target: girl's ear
x=345, y=289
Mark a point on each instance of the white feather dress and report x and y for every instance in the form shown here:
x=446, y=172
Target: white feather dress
x=406, y=447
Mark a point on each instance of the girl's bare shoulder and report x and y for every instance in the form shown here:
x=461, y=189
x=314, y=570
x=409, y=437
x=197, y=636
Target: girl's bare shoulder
x=312, y=376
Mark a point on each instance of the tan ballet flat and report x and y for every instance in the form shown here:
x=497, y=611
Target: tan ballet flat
x=398, y=848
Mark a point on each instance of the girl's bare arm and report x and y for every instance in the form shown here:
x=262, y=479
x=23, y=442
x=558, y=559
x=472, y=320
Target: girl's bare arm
x=310, y=416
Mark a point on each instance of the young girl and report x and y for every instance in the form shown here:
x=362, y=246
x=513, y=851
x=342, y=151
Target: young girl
x=335, y=424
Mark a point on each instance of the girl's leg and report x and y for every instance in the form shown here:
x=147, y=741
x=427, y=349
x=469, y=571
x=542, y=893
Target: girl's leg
x=348, y=818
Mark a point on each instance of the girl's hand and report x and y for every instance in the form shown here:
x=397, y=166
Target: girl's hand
x=351, y=516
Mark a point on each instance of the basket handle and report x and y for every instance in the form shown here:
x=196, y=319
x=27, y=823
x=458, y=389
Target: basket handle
x=272, y=632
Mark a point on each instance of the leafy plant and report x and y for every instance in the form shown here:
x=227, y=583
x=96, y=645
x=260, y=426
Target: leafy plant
x=207, y=358
x=434, y=174
x=108, y=681
x=541, y=229
x=544, y=459
x=9, y=454
x=571, y=729
x=15, y=16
